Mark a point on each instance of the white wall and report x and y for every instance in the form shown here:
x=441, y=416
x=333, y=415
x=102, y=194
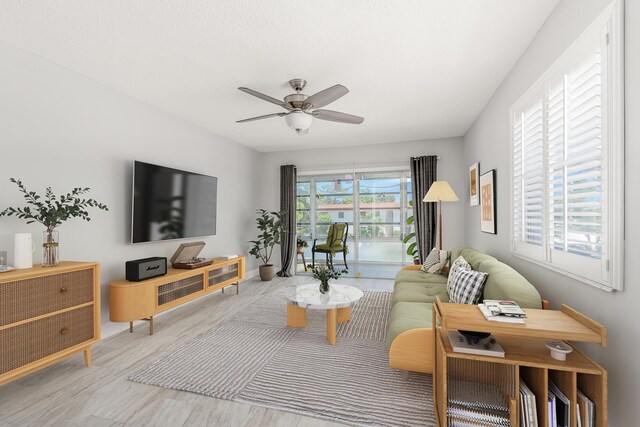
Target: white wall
x=488, y=142
x=63, y=130
x=450, y=168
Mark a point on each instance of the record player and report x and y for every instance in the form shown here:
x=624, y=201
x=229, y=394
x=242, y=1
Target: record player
x=186, y=257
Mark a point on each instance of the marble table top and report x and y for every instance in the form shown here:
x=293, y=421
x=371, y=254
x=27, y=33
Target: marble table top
x=309, y=296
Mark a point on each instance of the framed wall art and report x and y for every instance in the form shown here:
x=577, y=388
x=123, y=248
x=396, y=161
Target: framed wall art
x=488, y=202
x=474, y=185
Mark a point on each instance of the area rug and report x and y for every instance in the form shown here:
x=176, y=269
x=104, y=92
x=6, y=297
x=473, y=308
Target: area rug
x=253, y=357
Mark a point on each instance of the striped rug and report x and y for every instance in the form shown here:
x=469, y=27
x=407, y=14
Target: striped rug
x=254, y=357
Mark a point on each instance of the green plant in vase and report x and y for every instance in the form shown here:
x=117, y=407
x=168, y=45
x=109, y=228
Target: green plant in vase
x=51, y=211
x=270, y=232
x=324, y=273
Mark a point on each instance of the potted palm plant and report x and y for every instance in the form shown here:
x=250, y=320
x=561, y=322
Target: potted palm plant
x=270, y=232
x=51, y=211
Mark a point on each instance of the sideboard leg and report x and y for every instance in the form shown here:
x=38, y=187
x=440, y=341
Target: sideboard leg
x=150, y=325
x=87, y=357
x=131, y=327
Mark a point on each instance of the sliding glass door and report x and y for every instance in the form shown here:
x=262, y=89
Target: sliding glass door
x=375, y=205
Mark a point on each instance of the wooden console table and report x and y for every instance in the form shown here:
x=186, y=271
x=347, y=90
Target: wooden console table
x=129, y=301
x=47, y=315
x=526, y=357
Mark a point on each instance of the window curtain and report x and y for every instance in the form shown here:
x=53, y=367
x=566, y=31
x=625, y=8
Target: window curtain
x=424, y=172
x=288, y=178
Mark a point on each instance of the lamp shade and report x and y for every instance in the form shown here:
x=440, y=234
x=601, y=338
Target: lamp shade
x=440, y=191
x=298, y=121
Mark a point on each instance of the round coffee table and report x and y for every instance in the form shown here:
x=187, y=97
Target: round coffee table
x=337, y=303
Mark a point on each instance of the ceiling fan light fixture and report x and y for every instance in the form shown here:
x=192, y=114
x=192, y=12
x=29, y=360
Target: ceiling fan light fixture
x=299, y=121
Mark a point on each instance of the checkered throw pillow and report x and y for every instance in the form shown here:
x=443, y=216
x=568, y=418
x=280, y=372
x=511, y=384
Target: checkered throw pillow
x=436, y=261
x=467, y=286
x=460, y=262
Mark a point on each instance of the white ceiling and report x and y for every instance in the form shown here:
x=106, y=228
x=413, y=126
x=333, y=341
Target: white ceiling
x=416, y=69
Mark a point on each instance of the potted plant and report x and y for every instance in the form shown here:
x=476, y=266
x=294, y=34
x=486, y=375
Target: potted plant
x=270, y=229
x=301, y=244
x=51, y=211
x=323, y=273
x=412, y=249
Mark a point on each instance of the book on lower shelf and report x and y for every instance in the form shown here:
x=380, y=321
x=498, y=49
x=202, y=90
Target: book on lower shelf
x=586, y=410
x=528, y=410
x=483, y=347
x=562, y=406
x=473, y=403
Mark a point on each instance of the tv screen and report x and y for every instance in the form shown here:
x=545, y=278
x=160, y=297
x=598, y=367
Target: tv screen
x=172, y=204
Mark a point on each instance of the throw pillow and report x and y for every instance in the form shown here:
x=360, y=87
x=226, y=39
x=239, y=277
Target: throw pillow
x=436, y=261
x=467, y=286
x=460, y=262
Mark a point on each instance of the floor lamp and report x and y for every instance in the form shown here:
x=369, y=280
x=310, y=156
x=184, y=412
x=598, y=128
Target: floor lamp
x=440, y=191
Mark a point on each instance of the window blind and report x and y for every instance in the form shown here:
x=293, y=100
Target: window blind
x=561, y=146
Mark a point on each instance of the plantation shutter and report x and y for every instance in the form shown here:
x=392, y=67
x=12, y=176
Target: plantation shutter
x=528, y=191
x=576, y=169
x=566, y=134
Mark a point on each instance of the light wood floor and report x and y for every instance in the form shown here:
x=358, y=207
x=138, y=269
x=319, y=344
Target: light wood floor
x=69, y=394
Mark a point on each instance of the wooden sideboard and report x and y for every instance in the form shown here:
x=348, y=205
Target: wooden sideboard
x=129, y=301
x=47, y=315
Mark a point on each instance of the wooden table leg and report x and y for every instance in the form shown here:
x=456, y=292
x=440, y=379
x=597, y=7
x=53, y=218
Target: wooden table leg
x=296, y=316
x=331, y=325
x=87, y=357
x=304, y=263
x=344, y=314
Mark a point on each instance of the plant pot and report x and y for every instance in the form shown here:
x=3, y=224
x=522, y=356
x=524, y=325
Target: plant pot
x=50, y=249
x=267, y=272
x=324, y=287
x=416, y=262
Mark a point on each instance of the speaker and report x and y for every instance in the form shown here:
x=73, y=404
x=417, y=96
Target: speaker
x=146, y=268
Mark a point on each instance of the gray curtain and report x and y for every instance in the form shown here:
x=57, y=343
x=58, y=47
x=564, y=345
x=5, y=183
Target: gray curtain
x=424, y=171
x=288, y=178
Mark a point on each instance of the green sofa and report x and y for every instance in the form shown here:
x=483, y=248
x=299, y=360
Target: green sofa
x=410, y=336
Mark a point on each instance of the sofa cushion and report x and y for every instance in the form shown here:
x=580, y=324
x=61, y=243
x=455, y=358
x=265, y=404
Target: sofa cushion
x=417, y=276
x=436, y=261
x=405, y=316
x=419, y=292
x=458, y=264
x=467, y=286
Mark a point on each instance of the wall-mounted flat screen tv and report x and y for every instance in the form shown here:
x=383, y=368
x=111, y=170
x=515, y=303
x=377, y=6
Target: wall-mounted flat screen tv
x=172, y=204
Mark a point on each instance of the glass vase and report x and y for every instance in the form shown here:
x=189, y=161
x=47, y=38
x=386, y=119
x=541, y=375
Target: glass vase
x=50, y=248
x=324, y=287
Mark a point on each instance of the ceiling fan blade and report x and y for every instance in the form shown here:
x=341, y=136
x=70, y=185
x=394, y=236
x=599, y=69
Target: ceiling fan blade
x=265, y=97
x=327, y=96
x=266, y=116
x=336, y=116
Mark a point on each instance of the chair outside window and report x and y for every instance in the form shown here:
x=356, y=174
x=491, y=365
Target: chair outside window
x=336, y=242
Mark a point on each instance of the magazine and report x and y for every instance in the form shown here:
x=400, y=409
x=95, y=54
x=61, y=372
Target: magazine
x=504, y=308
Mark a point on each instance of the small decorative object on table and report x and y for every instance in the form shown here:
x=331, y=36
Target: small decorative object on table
x=52, y=212
x=324, y=273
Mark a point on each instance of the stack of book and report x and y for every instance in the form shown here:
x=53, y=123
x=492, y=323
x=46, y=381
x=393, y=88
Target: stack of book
x=559, y=407
x=586, y=411
x=528, y=411
x=484, y=346
x=502, y=311
x=476, y=404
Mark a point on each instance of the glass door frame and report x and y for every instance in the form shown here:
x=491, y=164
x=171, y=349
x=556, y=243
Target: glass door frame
x=356, y=176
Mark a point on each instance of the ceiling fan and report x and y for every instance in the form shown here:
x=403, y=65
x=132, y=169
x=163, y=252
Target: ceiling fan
x=301, y=108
